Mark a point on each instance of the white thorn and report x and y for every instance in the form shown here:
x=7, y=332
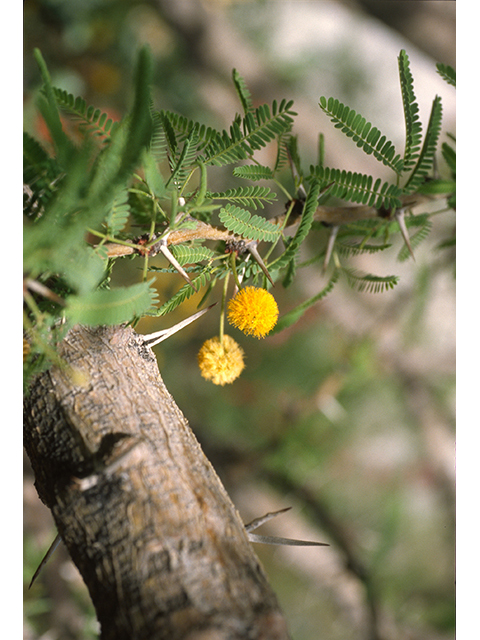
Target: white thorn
x=163, y=248
x=254, y=524
x=253, y=537
x=159, y=336
x=331, y=242
x=400, y=216
x=252, y=248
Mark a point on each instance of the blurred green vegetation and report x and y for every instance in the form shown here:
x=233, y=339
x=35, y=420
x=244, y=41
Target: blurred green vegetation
x=347, y=416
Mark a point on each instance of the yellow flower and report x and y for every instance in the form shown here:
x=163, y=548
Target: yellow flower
x=253, y=311
x=221, y=362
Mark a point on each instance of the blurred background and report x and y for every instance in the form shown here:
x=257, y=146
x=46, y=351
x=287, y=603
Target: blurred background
x=348, y=416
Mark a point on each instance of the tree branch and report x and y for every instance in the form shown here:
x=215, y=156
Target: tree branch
x=142, y=512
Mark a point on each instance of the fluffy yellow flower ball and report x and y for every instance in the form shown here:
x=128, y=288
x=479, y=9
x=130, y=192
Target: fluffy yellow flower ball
x=221, y=362
x=253, y=311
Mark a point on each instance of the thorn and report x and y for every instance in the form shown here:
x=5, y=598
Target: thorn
x=44, y=291
x=159, y=336
x=254, y=524
x=253, y=537
x=400, y=216
x=252, y=247
x=45, y=558
x=331, y=241
x=162, y=247
x=291, y=542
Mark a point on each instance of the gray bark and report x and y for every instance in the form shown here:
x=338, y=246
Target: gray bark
x=142, y=512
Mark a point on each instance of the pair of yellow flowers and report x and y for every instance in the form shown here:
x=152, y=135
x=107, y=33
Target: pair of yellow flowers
x=253, y=311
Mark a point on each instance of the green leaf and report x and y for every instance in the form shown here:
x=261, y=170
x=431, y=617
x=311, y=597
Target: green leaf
x=450, y=157
x=184, y=293
x=47, y=106
x=368, y=138
x=242, y=91
x=187, y=254
x=367, y=282
x=111, y=306
x=158, y=141
x=40, y=173
x=427, y=154
x=357, y=248
x=153, y=176
x=241, y=222
x=447, y=73
x=303, y=229
x=118, y=161
x=118, y=213
x=357, y=187
x=93, y=120
x=253, y=172
x=413, y=126
x=246, y=196
x=186, y=159
x=435, y=187
x=259, y=128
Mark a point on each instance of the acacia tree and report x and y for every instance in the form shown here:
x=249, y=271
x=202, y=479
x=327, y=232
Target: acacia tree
x=143, y=514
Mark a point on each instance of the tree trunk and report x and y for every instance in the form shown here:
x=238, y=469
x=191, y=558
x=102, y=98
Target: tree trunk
x=142, y=512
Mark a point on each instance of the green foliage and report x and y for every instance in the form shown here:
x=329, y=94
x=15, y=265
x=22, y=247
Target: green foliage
x=151, y=170
x=112, y=306
x=192, y=254
x=241, y=222
x=118, y=213
x=253, y=172
x=447, y=73
x=367, y=282
x=358, y=187
x=253, y=197
x=413, y=126
x=250, y=133
x=100, y=123
x=368, y=138
x=242, y=91
x=303, y=229
x=426, y=156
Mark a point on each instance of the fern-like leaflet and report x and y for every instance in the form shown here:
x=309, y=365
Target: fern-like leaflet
x=242, y=91
x=158, y=141
x=93, y=119
x=425, y=159
x=358, y=187
x=118, y=213
x=40, y=173
x=242, y=222
x=253, y=172
x=254, y=196
x=185, y=292
x=259, y=127
x=354, y=248
x=186, y=254
x=367, y=282
x=447, y=73
x=304, y=227
x=368, y=138
x=413, y=126
x=112, y=306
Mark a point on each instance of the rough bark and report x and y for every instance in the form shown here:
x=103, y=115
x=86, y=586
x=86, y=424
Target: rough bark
x=142, y=512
